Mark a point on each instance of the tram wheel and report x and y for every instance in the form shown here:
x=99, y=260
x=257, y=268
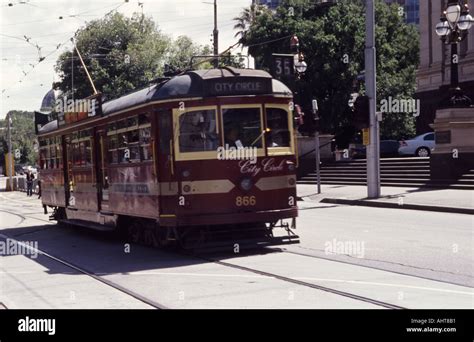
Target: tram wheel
x=162, y=237
x=148, y=238
x=135, y=232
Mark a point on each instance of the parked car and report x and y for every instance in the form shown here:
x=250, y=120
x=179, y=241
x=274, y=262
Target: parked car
x=388, y=148
x=420, y=146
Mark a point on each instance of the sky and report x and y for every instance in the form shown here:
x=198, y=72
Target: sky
x=32, y=29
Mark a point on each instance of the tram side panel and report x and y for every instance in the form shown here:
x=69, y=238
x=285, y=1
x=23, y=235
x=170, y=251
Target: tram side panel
x=81, y=177
x=133, y=187
x=51, y=173
x=133, y=190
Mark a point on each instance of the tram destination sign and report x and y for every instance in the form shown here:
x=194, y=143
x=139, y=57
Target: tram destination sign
x=70, y=111
x=238, y=86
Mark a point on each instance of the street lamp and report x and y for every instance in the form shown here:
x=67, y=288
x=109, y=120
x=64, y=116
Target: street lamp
x=452, y=28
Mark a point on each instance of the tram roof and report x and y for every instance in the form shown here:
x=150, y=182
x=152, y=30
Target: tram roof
x=196, y=83
x=193, y=84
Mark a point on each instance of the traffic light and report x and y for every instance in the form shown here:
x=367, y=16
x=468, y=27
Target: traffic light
x=361, y=112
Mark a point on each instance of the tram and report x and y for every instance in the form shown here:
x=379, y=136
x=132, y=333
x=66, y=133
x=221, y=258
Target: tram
x=207, y=156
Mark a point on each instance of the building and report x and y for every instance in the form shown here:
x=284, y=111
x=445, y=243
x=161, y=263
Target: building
x=433, y=75
x=272, y=4
x=411, y=10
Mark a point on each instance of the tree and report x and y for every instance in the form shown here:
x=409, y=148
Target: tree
x=121, y=54
x=181, y=51
x=22, y=134
x=333, y=41
x=246, y=18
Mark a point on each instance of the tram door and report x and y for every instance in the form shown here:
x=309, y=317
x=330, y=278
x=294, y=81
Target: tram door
x=102, y=172
x=69, y=183
x=168, y=186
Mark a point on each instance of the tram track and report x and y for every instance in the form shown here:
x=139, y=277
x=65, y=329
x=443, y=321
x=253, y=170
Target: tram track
x=304, y=283
x=156, y=305
x=225, y=264
x=81, y=269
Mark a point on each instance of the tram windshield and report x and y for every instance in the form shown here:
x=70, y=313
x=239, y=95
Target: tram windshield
x=242, y=127
x=197, y=131
x=279, y=132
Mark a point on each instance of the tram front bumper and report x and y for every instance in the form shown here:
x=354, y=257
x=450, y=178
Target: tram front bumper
x=232, y=218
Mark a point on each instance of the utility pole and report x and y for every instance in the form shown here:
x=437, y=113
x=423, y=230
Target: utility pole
x=216, y=36
x=373, y=149
x=10, y=155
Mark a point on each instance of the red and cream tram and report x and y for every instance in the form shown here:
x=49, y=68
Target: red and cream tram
x=208, y=155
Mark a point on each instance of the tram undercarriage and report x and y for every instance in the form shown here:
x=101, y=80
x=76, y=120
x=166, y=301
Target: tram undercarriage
x=203, y=238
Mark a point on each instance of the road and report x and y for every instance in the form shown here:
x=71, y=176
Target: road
x=396, y=259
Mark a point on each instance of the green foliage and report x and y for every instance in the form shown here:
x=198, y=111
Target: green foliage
x=23, y=137
x=333, y=42
x=122, y=54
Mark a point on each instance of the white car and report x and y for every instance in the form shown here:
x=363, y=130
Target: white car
x=420, y=146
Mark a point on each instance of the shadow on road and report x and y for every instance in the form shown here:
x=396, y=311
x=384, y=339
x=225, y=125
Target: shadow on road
x=104, y=253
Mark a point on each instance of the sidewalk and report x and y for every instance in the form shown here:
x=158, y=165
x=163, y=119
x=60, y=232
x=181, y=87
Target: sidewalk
x=441, y=200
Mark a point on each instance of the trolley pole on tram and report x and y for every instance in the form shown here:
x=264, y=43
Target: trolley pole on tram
x=373, y=149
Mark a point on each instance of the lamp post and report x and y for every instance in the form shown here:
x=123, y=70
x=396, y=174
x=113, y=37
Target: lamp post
x=452, y=28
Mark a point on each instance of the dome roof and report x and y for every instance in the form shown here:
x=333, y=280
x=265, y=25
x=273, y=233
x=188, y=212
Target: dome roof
x=48, y=102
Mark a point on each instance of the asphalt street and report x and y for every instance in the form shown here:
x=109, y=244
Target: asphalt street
x=349, y=257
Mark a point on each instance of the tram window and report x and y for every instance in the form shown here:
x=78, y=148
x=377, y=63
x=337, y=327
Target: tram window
x=122, y=124
x=132, y=137
x=197, y=131
x=143, y=119
x=76, y=154
x=242, y=127
x=112, y=127
x=42, y=158
x=122, y=155
x=82, y=151
x=277, y=122
x=145, y=143
x=113, y=157
x=122, y=140
x=134, y=153
x=52, y=157
x=88, y=153
x=131, y=122
x=145, y=135
x=113, y=142
x=164, y=131
x=52, y=151
x=51, y=163
x=146, y=153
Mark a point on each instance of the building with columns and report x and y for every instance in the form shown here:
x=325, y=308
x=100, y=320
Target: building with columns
x=433, y=75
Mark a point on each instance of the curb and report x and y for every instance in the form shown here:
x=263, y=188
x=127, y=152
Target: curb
x=380, y=204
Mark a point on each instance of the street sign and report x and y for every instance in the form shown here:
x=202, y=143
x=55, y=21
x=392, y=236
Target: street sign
x=365, y=136
x=283, y=66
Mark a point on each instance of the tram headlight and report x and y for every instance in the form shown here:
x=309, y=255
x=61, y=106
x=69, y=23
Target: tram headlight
x=246, y=184
x=291, y=165
x=186, y=173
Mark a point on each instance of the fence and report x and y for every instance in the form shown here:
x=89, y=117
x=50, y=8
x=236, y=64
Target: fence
x=19, y=184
